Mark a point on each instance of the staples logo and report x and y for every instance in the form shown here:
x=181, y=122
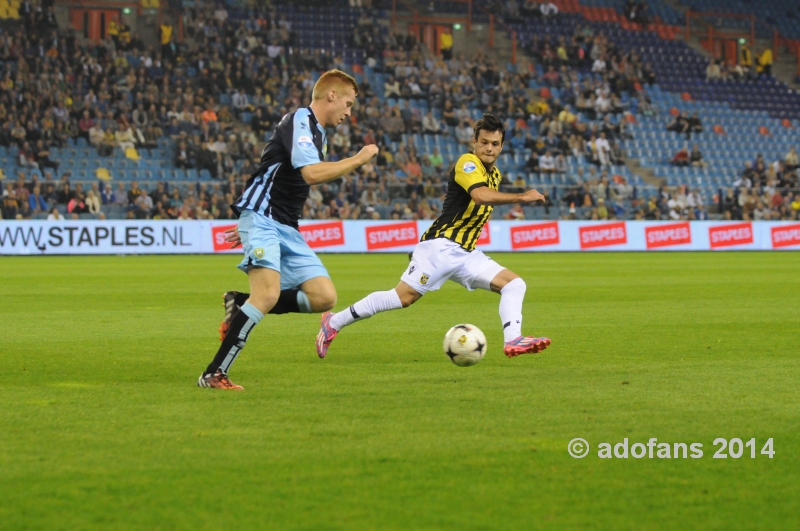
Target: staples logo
x=666, y=235
x=485, y=238
x=534, y=235
x=603, y=235
x=393, y=235
x=218, y=237
x=728, y=235
x=785, y=236
x=323, y=234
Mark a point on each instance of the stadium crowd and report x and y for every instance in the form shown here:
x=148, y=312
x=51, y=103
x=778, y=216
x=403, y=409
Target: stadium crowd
x=122, y=96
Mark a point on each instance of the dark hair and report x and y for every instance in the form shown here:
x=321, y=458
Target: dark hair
x=490, y=123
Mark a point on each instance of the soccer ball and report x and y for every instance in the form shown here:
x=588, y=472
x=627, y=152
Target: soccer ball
x=465, y=345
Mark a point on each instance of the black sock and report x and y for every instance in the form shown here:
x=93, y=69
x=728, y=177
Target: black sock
x=287, y=302
x=233, y=343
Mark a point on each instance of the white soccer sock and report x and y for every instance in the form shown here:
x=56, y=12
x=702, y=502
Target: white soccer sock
x=511, y=297
x=379, y=301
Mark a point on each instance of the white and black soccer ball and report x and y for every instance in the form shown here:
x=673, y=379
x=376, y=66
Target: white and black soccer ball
x=465, y=345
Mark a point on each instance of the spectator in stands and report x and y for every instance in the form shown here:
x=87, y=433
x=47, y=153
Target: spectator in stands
x=65, y=194
x=547, y=163
x=561, y=164
x=681, y=158
x=431, y=125
x=695, y=125
x=680, y=124
x=133, y=193
x=677, y=206
x=748, y=203
x=36, y=202
x=516, y=213
x=121, y=196
x=369, y=197
x=599, y=65
x=745, y=180
x=648, y=74
x=577, y=146
x=55, y=215
x=602, y=104
x=622, y=189
x=646, y=107
x=745, y=58
x=464, y=133
x=107, y=196
x=792, y=161
x=603, y=150
x=143, y=206
x=532, y=164
x=10, y=206
x=92, y=202
x=77, y=205
x=765, y=62
x=43, y=157
x=413, y=169
x=761, y=212
x=617, y=155
x=713, y=70
x=27, y=158
x=696, y=157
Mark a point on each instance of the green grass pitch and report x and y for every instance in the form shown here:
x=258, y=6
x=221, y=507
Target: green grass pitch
x=103, y=427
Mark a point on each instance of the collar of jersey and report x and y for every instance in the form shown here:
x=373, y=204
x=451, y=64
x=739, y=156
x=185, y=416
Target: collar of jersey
x=313, y=116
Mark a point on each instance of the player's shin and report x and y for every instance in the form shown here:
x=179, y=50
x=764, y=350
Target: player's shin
x=511, y=297
x=236, y=337
x=291, y=301
x=379, y=301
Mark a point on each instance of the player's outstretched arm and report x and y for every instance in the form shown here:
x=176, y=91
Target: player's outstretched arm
x=323, y=172
x=486, y=196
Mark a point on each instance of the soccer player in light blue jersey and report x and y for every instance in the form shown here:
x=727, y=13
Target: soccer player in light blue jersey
x=285, y=275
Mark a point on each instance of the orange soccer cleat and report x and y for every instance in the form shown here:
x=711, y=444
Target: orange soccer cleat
x=218, y=380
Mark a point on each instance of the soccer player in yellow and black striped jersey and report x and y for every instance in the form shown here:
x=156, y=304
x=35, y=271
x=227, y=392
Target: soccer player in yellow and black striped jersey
x=462, y=218
x=447, y=249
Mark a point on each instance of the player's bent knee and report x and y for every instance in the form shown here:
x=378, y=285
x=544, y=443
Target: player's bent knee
x=406, y=294
x=407, y=299
x=504, y=278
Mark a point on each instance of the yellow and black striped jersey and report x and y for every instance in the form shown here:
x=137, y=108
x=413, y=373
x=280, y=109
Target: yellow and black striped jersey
x=462, y=220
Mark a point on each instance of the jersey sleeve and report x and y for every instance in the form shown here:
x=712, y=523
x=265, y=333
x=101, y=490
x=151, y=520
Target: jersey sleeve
x=470, y=173
x=302, y=149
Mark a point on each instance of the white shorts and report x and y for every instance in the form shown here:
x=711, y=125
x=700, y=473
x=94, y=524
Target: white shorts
x=440, y=259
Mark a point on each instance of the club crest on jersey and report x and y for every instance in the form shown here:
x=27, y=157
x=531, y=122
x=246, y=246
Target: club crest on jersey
x=469, y=167
x=424, y=279
x=305, y=141
x=259, y=253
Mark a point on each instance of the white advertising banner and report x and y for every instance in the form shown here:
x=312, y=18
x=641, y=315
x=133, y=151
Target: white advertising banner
x=333, y=236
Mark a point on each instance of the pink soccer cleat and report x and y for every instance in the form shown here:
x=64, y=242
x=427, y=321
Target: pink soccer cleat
x=525, y=345
x=326, y=334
